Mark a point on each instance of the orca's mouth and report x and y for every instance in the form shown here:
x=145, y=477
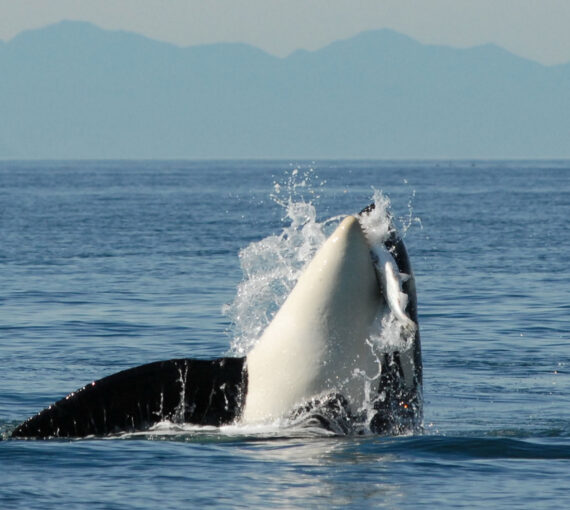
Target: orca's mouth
x=401, y=379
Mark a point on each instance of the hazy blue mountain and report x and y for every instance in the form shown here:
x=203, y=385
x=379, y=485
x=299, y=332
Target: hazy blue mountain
x=72, y=90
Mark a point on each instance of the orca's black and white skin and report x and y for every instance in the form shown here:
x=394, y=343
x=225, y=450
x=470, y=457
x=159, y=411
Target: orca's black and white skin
x=309, y=367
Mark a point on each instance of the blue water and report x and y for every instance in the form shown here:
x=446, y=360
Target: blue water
x=107, y=265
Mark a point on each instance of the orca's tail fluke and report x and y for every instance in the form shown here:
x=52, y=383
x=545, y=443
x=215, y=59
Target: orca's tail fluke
x=202, y=392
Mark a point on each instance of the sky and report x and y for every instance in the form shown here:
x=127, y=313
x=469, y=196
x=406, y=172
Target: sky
x=537, y=29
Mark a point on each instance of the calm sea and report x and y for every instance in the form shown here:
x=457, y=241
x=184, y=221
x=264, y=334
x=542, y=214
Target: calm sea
x=108, y=265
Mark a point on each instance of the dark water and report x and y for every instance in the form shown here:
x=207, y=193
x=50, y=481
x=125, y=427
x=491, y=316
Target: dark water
x=107, y=265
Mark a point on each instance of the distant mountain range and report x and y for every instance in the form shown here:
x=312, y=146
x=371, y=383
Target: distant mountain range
x=72, y=90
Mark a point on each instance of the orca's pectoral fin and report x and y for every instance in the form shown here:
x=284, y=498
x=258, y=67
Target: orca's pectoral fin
x=203, y=392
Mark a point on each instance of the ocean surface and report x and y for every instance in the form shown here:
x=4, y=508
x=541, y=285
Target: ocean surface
x=108, y=265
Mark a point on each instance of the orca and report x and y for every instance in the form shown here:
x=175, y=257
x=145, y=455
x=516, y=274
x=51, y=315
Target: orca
x=313, y=365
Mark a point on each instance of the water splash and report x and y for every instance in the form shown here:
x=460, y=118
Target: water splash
x=272, y=266
x=377, y=224
x=180, y=411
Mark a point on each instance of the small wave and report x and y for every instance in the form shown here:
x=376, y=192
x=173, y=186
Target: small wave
x=482, y=447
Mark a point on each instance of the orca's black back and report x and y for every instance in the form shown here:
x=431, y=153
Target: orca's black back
x=203, y=392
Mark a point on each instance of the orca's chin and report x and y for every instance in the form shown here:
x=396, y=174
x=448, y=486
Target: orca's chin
x=317, y=340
